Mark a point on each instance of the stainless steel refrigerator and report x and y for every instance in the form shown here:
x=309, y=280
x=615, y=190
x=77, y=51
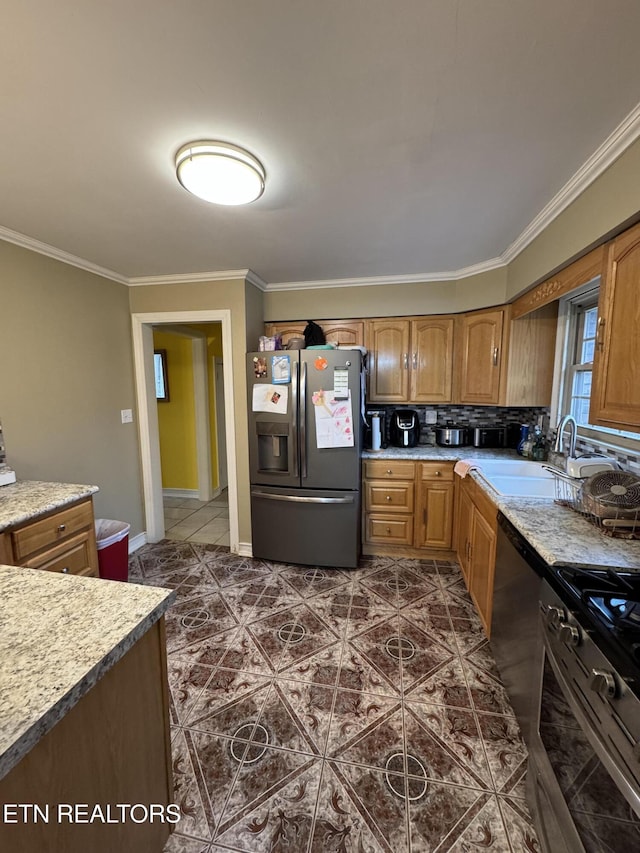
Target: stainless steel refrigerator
x=305, y=433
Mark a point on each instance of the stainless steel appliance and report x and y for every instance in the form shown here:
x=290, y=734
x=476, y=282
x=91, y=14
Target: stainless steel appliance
x=304, y=454
x=489, y=436
x=584, y=771
x=514, y=623
x=404, y=430
x=452, y=435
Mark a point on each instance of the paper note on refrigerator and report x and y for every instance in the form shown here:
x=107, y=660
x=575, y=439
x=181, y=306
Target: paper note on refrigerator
x=270, y=398
x=334, y=420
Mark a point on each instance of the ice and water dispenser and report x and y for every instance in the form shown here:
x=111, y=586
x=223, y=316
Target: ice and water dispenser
x=273, y=447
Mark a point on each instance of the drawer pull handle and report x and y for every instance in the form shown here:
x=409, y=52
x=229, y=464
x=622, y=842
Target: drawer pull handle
x=65, y=571
x=388, y=530
x=437, y=473
x=62, y=528
x=389, y=471
x=388, y=497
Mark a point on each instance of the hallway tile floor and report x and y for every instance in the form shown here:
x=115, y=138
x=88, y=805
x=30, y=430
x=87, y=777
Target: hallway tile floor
x=319, y=710
x=191, y=520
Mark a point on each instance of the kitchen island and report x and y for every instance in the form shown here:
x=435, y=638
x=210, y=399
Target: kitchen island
x=83, y=711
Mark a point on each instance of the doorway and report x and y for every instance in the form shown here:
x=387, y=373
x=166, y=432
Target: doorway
x=142, y=329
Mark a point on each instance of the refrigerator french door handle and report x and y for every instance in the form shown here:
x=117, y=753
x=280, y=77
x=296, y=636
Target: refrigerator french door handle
x=294, y=422
x=300, y=498
x=303, y=421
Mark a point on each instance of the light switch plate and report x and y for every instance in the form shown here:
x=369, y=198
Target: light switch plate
x=126, y=416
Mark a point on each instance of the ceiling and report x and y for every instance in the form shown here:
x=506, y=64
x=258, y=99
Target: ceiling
x=400, y=137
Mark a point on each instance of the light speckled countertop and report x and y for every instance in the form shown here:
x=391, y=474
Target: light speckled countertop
x=26, y=499
x=561, y=536
x=59, y=634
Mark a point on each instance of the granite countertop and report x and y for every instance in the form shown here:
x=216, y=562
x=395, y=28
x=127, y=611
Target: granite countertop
x=59, y=634
x=27, y=499
x=561, y=536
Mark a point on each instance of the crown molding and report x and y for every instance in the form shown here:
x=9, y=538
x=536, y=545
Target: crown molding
x=190, y=278
x=417, y=278
x=58, y=255
x=625, y=134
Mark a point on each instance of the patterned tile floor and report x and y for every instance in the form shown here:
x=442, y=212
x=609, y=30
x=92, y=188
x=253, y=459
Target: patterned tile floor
x=323, y=710
x=191, y=520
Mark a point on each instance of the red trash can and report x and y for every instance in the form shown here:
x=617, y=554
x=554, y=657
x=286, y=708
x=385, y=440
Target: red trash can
x=112, y=540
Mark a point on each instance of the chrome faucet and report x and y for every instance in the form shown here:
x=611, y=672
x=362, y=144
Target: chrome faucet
x=566, y=421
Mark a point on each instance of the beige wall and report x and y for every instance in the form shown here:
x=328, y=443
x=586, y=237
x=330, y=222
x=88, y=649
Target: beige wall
x=387, y=300
x=216, y=295
x=65, y=374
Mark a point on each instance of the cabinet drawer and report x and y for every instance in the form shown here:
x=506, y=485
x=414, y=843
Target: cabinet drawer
x=396, y=530
x=73, y=556
x=390, y=497
x=389, y=469
x=437, y=471
x=51, y=530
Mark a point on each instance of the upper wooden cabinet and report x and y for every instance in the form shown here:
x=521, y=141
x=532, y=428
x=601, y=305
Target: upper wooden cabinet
x=388, y=344
x=410, y=360
x=615, y=399
x=481, y=354
x=346, y=332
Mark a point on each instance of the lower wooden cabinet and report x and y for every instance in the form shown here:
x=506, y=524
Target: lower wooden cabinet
x=408, y=504
x=475, y=542
x=62, y=541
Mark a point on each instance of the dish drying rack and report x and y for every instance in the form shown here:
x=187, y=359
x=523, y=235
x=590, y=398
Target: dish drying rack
x=609, y=499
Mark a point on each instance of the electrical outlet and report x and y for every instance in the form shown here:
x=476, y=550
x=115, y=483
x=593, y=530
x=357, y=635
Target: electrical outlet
x=430, y=416
x=126, y=415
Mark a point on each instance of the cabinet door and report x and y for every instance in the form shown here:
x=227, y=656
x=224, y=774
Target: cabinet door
x=346, y=332
x=431, y=360
x=615, y=400
x=463, y=529
x=6, y=552
x=482, y=566
x=435, y=518
x=388, y=345
x=480, y=345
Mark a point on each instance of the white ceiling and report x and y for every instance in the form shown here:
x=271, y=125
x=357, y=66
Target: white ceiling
x=400, y=137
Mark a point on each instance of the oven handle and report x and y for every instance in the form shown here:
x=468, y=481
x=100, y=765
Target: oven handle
x=626, y=787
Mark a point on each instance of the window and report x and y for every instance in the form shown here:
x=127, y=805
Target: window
x=581, y=322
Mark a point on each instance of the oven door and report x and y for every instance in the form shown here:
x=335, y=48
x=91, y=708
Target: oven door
x=575, y=781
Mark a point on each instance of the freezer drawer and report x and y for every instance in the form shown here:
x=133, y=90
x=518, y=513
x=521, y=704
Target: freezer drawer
x=313, y=528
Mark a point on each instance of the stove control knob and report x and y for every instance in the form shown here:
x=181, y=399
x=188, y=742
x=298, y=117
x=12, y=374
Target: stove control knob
x=555, y=615
x=569, y=634
x=604, y=683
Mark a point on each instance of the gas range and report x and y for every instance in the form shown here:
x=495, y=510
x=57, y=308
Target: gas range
x=607, y=604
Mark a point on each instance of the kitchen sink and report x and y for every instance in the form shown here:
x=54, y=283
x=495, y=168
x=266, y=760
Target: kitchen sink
x=518, y=478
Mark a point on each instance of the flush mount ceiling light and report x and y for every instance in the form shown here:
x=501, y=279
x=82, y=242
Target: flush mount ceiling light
x=220, y=173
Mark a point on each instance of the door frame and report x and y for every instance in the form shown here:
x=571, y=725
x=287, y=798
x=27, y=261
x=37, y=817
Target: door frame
x=142, y=332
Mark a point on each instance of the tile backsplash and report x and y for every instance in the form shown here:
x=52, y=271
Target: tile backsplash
x=471, y=416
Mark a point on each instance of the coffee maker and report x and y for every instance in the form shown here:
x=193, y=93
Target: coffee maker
x=405, y=428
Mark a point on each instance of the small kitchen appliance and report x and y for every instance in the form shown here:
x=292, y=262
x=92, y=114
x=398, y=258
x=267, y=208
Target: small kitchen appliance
x=453, y=435
x=405, y=428
x=489, y=436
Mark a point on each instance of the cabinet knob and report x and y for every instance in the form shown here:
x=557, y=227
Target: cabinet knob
x=65, y=571
x=388, y=497
x=388, y=530
x=437, y=473
x=62, y=528
x=389, y=471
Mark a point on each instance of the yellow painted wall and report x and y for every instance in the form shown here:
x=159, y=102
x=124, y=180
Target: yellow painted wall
x=176, y=418
x=213, y=331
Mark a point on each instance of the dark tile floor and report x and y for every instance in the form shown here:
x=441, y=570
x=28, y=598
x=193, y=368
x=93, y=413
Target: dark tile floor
x=340, y=711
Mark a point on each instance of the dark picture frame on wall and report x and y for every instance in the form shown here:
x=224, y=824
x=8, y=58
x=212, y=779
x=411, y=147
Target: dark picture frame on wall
x=161, y=374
